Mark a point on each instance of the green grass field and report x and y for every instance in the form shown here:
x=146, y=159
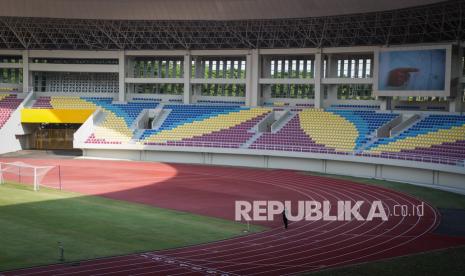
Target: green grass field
x=443, y=262
x=32, y=224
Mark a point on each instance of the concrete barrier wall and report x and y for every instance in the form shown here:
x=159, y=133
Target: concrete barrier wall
x=173, y=157
x=350, y=168
x=451, y=181
x=276, y=162
x=413, y=175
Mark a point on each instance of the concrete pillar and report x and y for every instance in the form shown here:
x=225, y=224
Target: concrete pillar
x=266, y=61
x=187, y=79
x=26, y=77
x=455, y=104
x=332, y=66
x=199, y=68
x=199, y=73
x=248, y=79
x=319, y=91
x=332, y=95
x=461, y=53
x=252, y=89
x=385, y=103
x=122, y=75
x=455, y=100
x=266, y=73
x=129, y=71
x=460, y=90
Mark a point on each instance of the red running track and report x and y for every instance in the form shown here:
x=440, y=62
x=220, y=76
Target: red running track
x=207, y=190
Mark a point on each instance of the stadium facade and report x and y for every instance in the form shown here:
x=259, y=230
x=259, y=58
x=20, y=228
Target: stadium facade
x=355, y=88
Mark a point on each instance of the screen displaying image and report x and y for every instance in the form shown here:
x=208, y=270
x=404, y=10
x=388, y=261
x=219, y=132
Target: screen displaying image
x=412, y=70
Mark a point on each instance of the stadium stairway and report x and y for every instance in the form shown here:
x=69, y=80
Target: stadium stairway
x=333, y=131
x=233, y=137
x=184, y=114
x=252, y=140
x=136, y=136
x=161, y=115
x=436, y=137
x=432, y=130
x=219, y=127
x=366, y=122
x=276, y=126
x=114, y=128
x=291, y=137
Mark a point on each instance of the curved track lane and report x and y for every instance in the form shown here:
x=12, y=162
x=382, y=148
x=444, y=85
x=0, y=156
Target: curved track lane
x=305, y=246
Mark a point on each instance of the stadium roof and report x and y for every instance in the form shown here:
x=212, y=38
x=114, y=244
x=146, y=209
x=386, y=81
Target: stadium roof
x=197, y=9
x=27, y=26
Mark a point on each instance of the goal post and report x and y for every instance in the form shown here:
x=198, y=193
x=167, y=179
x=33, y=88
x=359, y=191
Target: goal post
x=27, y=174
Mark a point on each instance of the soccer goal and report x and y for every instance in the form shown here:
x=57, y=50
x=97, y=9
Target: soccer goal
x=35, y=176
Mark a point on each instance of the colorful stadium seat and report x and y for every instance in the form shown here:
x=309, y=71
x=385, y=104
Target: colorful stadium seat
x=432, y=130
x=115, y=127
x=338, y=130
x=329, y=129
x=366, y=122
x=436, y=138
x=8, y=104
x=290, y=137
x=204, y=124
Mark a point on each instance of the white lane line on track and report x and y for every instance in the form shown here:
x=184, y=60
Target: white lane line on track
x=432, y=226
x=286, y=233
x=340, y=248
x=265, y=235
x=312, y=257
x=158, y=271
x=59, y=267
x=377, y=252
x=307, y=189
x=152, y=272
x=287, y=237
x=403, y=196
x=277, y=253
x=254, y=263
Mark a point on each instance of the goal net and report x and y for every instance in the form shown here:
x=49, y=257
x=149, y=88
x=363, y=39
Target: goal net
x=35, y=176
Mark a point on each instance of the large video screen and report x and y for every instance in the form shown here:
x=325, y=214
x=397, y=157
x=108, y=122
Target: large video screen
x=416, y=70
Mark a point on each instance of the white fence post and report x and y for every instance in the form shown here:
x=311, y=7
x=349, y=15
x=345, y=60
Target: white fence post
x=36, y=186
x=1, y=173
